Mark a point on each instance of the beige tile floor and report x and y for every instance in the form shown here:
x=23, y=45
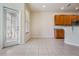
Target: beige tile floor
x=41, y=47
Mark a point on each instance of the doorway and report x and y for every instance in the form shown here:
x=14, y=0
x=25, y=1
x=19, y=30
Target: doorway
x=10, y=27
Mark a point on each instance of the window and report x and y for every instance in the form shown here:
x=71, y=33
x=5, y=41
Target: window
x=27, y=26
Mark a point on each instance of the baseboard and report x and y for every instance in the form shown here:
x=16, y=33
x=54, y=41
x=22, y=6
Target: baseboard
x=71, y=43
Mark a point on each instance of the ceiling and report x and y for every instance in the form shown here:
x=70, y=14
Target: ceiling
x=54, y=7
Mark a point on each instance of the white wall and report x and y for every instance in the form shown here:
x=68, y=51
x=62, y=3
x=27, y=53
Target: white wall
x=41, y=25
x=20, y=8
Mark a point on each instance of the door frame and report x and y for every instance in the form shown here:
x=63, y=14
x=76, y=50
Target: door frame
x=4, y=26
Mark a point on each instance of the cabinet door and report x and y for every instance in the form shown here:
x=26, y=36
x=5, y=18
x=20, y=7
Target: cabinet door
x=59, y=20
x=68, y=20
x=65, y=20
x=77, y=17
x=59, y=33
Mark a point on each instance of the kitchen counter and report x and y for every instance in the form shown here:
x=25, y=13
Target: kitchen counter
x=71, y=34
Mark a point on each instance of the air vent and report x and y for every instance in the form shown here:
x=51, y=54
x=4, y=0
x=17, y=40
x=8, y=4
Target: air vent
x=68, y=5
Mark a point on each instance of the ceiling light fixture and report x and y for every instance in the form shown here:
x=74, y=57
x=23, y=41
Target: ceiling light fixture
x=62, y=8
x=76, y=8
x=43, y=6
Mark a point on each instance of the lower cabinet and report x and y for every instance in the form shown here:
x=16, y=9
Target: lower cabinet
x=59, y=33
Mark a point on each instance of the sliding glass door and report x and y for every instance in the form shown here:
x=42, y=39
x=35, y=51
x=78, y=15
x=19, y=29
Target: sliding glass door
x=11, y=26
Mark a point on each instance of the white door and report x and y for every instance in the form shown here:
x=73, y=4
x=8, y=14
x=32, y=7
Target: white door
x=11, y=27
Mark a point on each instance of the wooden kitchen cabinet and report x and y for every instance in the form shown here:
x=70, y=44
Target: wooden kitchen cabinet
x=74, y=17
x=77, y=17
x=65, y=20
x=59, y=33
x=68, y=20
x=59, y=20
x=62, y=20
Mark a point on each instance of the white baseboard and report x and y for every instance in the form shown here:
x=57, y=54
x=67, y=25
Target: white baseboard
x=71, y=43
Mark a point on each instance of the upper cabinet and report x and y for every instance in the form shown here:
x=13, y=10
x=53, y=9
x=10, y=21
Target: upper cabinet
x=68, y=20
x=59, y=20
x=65, y=20
x=77, y=17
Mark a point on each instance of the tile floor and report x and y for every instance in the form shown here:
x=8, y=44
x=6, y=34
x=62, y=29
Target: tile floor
x=41, y=47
